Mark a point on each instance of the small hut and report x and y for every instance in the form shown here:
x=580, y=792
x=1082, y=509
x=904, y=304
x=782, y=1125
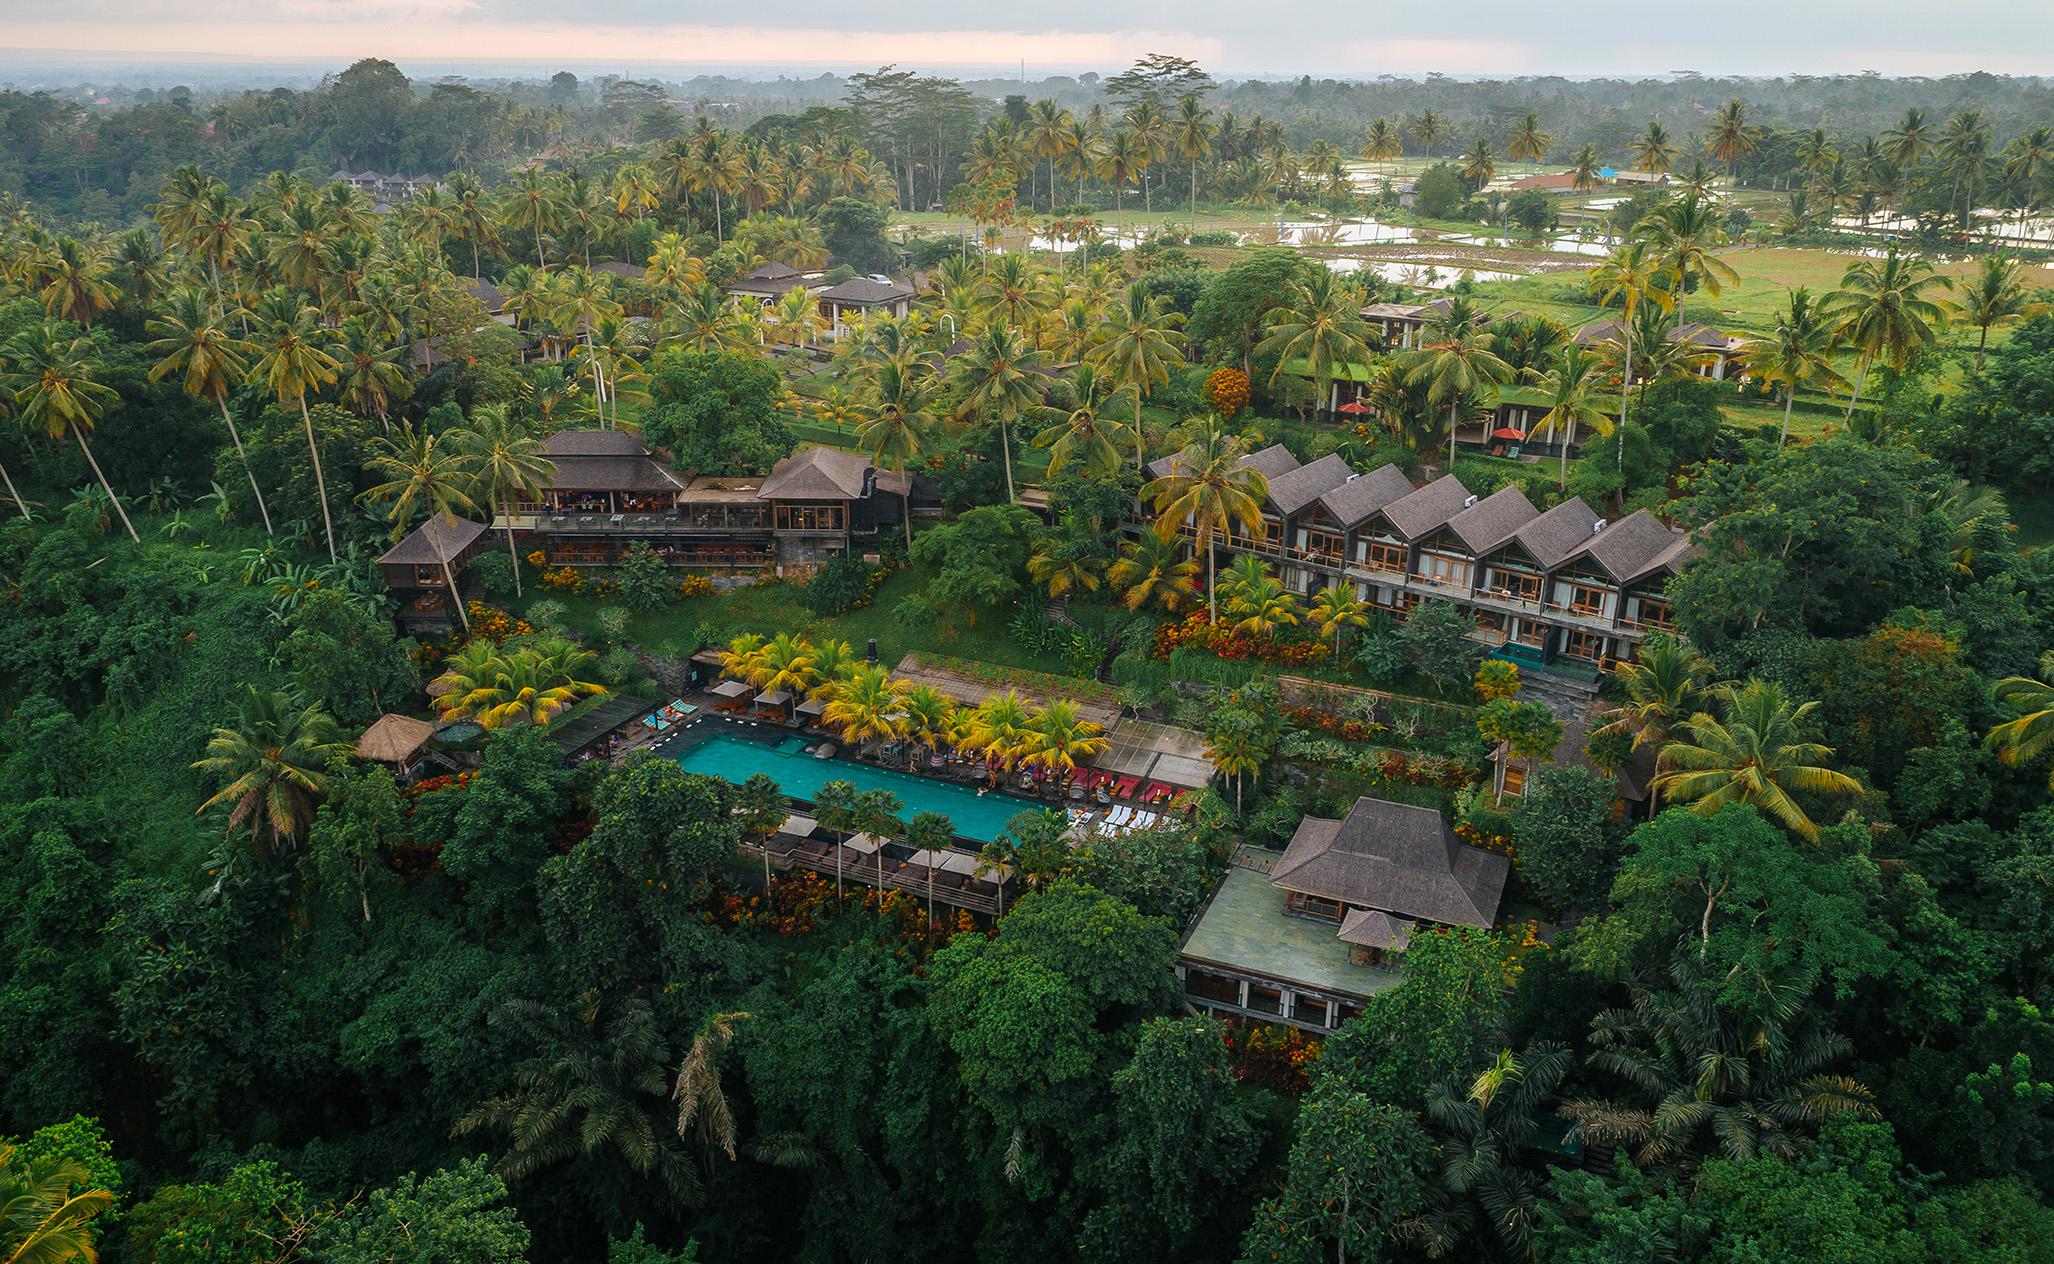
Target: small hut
x=397, y=740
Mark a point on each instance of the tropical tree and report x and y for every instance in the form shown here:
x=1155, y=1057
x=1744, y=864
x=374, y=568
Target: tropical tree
x=1759, y=754
x=834, y=806
x=292, y=359
x=1682, y=235
x=1257, y=600
x=1318, y=326
x=197, y=344
x=928, y=716
x=528, y=685
x=1428, y=129
x=1584, y=168
x=1212, y=489
x=1137, y=346
x=1060, y=740
x=47, y=1206
x=1479, y=164
x=1454, y=361
x=1528, y=143
x=1911, y=140
x=1798, y=353
x=506, y=458
x=2031, y=734
x=54, y=381
x=1664, y=686
x=931, y=834
x=865, y=706
x=1631, y=277
x=996, y=376
x=78, y=282
x=1571, y=387
x=1192, y=133
x=1730, y=136
x=532, y=203
x=272, y=765
x=1482, y=1127
x=426, y=475
x=786, y=664
x=1154, y=569
x=1335, y=610
x=1887, y=309
x=1994, y=295
x=1000, y=728
x=1079, y=432
x=900, y=419
x=368, y=374
x=1654, y=152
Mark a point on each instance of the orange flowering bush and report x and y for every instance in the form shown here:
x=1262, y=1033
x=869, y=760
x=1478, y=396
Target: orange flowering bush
x=695, y=586
x=1332, y=725
x=538, y=558
x=564, y=579
x=1278, y=1057
x=1221, y=640
x=495, y=624
x=1226, y=390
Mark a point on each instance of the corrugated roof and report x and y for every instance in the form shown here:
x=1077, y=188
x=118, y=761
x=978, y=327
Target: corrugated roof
x=1493, y=520
x=435, y=541
x=1364, y=494
x=1427, y=509
x=1293, y=490
x=1398, y=858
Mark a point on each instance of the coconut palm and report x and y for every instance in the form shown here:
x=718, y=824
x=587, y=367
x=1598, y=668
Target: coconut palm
x=1318, y=326
x=1664, y=686
x=1759, y=754
x=1630, y=276
x=864, y=706
x=931, y=834
x=1211, y=488
x=834, y=806
x=1479, y=164
x=1335, y=610
x=1798, y=353
x=1191, y=135
x=197, y=344
x=368, y=376
x=1454, y=361
x=1887, y=309
x=78, y=284
x=1729, y=136
x=1654, y=152
x=996, y=377
x=56, y=389
x=927, y=715
x=1154, y=570
x=272, y=765
x=1583, y=169
x=531, y=202
x=1066, y=563
x=530, y=685
x=1079, y=433
x=506, y=459
x=1528, y=143
x=1429, y=129
x=1256, y=600
x=1963, y=148
x=1911, y=140
x=47, y=1205
x=1137, y=346
x=426, y=475
x=1060, y=740
x=1993, y=296
x=292, y=359
x=832, y=660
x=900, y=419
x=1000, y=728
x=1682, y=236
x=1571, y=387
x=786, y=664
x=2031, y=734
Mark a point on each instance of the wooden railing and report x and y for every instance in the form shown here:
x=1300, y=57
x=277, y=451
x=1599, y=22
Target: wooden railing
x=898, y=876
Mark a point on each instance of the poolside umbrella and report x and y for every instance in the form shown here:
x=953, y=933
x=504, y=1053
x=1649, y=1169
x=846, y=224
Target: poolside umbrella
x=1506, y=432
x=1354, y=408
x=729, y=689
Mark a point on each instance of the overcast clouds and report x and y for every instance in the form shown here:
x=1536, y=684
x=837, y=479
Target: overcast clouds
x=1362, y=37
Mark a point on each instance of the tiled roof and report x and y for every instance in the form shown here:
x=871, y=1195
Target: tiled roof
x=594, y=443
x=818, y=474
x=863, y=290
x=1427, y=509
x=1364, y=494
x=612, y=474
x=1636, y=545
x=621, y=269
x=1374, y=928
x=1293, y=490
x=435, y=541
x=1397, y=858
x=1560, y=533
x=1494, y=519
x=1274, y=461
x=1695, y=333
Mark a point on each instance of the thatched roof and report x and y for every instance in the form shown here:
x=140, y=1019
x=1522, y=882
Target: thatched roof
x=394, y=739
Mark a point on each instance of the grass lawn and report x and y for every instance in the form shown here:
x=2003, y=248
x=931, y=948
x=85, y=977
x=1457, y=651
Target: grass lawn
x=771, y=608
x=2033, y=511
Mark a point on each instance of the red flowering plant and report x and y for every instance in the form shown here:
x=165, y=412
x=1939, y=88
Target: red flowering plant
x=1274, y=1056
x=1195, y=631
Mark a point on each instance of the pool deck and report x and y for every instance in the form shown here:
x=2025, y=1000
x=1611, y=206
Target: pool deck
x=1245, y=929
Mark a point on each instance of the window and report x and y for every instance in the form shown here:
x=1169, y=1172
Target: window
x=1654, y=613
x=1442, y=569
x=1264, y=999
x=1587, y=599
x=1380, y=556
x=1212, y=987
x=1589, y=646
x=1313, y=906
x=1518, y=585
x=1319, y=544
x=811, y=517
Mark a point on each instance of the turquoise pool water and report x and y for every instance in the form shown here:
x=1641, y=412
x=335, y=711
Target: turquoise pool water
x=735, y=759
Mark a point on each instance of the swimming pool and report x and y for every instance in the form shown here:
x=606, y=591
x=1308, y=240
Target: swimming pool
x=735, y=758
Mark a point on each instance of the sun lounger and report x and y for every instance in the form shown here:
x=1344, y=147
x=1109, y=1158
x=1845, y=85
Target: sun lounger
x=1142, y=820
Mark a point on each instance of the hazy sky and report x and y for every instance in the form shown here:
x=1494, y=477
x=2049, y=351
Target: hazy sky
x=1343, y=37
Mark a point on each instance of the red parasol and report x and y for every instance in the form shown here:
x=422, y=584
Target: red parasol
x=1516, y=436
x=1354, y=408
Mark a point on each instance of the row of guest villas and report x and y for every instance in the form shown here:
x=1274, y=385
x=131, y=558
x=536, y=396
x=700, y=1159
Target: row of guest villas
x=1565, y=583
x=607, y=491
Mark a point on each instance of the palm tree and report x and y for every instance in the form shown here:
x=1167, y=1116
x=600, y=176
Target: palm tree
x=1664, y=686
x=1479, y=164
x=1682, y=235
x=531, y=685
x=1911, y=140
x=1454, y=361
x=899, y=422
x=2031, y=735
x=197, y=344
x=1994, y=296
x=1629, y=275
x=1060, y=740
x=56, y=390
x=1046, y=138
x=864, y=706
x=1798, y=353
x=368, y=376
x=1139, y=343
x=1319, y=325
x=996, y=377
x=1209, y=487
x=926, y=715
x=1079, y=433
x=1154, y=569
x=531, y=201
x=1001, y=728
x=471, y=214
x=506, y=458
x=1884, y=309
x=1336, y=609
x=929, y=833
x=1654, y=152
x=1483, y=1127
x=1571, y=387
x=47, y=1205
x=1583, y=169
x=1736, y=1061
x=785, y=665
x=1964, y=147
x=425, y=476
x=1429, y=129
x=1191, y=135
x=1528, y=143
x=1729, y=136
x=78, y=285
x=1257, y=600
x=292, y=360
x=272, y=765
x=834, y=806
x=1758, y=755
